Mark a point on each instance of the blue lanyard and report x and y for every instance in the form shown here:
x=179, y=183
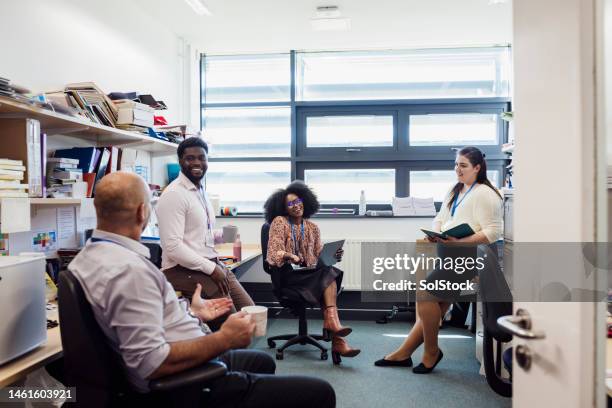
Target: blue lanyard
x=203, y=201
x=457, y=202
x=294, y=238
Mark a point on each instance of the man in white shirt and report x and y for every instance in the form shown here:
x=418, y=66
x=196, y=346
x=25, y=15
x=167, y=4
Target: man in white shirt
x=186, y=227
x=140, y=315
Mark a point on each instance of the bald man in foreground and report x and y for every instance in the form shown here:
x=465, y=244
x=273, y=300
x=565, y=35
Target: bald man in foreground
x=138, y=311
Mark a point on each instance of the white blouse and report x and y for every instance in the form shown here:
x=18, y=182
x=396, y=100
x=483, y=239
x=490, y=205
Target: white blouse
x=481, y=209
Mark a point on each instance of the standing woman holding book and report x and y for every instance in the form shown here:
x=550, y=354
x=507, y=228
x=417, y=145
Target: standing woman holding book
x=473, y=200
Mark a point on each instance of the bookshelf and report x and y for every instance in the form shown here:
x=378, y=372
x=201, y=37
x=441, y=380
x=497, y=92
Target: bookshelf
x=52, y=201
x=53, y=123
x=68, y=218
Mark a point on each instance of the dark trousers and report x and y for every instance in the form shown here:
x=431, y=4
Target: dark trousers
x=251, y=383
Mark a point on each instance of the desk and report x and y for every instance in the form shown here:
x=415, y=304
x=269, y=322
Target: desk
x=249, y=253
x=37, y=358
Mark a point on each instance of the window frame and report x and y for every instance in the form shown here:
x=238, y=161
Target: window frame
x=401, y=156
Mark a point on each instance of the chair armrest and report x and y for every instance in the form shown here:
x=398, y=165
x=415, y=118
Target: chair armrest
x=201, y=374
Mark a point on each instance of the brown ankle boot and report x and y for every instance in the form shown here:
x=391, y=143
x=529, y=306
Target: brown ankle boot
x=341, y=348
x=331, y=324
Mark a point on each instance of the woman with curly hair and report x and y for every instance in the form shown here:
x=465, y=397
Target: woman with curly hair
x=294, y=239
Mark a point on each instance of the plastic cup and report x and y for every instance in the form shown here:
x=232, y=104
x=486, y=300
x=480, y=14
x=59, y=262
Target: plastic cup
x=259, y=315
x=230, y=232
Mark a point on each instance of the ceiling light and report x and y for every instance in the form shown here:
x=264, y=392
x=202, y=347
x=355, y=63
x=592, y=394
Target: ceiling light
x=328, y=18
x=198, y=7
x=328, y=12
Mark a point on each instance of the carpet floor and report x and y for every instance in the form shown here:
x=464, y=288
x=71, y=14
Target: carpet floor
x=358, y=383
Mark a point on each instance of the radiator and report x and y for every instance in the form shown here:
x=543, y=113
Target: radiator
x=351, y=261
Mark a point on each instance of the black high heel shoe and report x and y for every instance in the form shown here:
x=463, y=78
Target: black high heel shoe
x=422, y=369
x=383, y=362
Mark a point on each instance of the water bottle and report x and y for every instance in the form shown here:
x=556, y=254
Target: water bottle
x=362, y=203
x=238, y=249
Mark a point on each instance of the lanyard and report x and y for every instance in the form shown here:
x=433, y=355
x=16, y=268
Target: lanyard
x=294, y=238
x=203, y=201
x=456, y=202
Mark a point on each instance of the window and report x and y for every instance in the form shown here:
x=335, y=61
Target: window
x=453, y=129
x=349, y=131
x=246, y=78
x=413, y=74
x=246, y=186
x=248, y=132
x=343, y=186
x=438, y=182
x=386, y=122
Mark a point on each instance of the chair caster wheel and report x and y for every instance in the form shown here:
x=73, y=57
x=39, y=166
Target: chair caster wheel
x=271, y=344
x=279, y=355
x=336, y=358
x=324, y=355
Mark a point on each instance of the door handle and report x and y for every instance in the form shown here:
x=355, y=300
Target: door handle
x=353, y=149
x=520, y=326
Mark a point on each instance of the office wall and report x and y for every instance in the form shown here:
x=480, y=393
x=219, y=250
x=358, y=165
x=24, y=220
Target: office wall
x=46, y=44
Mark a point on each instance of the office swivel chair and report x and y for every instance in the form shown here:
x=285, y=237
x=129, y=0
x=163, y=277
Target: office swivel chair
x=496, y=302
x=97, y=371
x=290, y=299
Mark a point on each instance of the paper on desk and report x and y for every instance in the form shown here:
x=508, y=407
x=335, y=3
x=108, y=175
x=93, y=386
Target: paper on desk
x=15, y=215
x=402, y=206
x=66, y=228
x=424, y=206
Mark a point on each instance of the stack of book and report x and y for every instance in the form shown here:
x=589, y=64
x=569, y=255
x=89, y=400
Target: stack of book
x=5, y=88
x=14, y=91
x=62, y=173
x=92, y=103
x=178, y=133
x=134, y=115
x=610, y=177
x=91, y=162
x=11, y=175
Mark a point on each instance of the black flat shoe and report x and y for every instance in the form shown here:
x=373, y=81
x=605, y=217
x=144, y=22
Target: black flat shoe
x=422, y=369
x=391, y=363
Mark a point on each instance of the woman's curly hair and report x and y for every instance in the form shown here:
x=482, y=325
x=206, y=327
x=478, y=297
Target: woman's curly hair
x=275, y=204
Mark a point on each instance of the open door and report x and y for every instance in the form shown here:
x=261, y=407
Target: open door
x=559, y=167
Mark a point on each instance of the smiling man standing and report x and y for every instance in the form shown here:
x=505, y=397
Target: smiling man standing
x=186, y=228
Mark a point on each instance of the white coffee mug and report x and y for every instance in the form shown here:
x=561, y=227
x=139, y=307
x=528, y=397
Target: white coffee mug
x=259, y=315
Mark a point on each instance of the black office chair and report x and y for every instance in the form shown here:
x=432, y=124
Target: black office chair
x=496, y=302
x=290, y=299
x=97, y=371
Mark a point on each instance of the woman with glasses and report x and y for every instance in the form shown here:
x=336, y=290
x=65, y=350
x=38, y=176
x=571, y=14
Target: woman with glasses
x=294, y=239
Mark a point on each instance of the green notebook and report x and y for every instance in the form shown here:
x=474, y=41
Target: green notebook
x=460, y=231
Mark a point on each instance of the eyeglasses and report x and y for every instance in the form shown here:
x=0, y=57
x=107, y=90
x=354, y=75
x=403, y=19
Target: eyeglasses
x=295, y=202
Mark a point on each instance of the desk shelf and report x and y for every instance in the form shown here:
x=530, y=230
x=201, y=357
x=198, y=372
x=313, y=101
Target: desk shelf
x=53, y=123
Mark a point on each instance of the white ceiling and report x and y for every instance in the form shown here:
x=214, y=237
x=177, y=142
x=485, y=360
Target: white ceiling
x=254, y=26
